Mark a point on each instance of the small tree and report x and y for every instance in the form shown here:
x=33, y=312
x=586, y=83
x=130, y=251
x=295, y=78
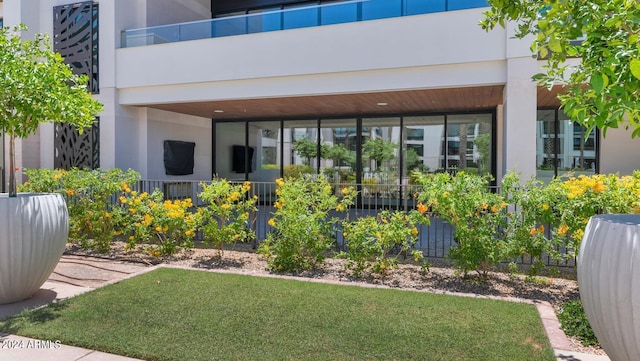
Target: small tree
x=604, y=33
x=306, y=149
x=379, y=150
x=36, y=86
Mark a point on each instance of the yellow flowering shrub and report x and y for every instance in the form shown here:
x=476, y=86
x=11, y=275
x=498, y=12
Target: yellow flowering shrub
x=541, y=219
x=161, y=225
x=376, y=243
x=88, y=196
x=226, y=217
x=301, y=227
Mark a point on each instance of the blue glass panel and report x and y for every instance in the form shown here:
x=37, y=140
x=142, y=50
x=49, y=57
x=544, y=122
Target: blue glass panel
x=270, y=21
x=338, y=14
x=195, y=31
x=229, y=26
x=302, y=18
x=466, y=4
x=413, y=7
x=380, y=9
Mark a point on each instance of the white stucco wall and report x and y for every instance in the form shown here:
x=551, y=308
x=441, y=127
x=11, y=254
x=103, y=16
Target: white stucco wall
x=366, y=56
x=619, y=153
x=163, y=125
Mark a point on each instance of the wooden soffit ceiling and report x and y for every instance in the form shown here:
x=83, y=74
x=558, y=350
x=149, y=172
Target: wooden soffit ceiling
x=397, y=102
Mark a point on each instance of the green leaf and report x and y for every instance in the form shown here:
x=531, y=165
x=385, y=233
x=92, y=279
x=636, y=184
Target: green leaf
x=635, y=68
x=554, y=45
x=597, y=82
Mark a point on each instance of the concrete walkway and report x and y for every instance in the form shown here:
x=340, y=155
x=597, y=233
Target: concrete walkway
x=75, y=275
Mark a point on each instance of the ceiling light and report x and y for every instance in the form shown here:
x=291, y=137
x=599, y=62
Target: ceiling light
x=382, y=104
x=218, y=111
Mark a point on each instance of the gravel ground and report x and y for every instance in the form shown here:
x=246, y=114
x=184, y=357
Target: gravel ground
x=439, y=278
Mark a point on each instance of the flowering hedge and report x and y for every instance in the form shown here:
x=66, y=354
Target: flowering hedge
x=88, y=197
x=524, y=220
x=301, y=225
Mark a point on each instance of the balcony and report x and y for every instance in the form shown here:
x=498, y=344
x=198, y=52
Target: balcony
x=291, y=18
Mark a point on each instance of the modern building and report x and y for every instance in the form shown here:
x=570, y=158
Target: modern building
x=363, y=91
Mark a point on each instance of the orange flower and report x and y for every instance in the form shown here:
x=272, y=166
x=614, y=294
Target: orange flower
x=422, y=208
x=562, y=230
x=533, y=231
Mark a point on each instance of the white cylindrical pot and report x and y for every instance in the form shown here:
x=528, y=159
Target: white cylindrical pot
x=33, y=235
x=609, y=281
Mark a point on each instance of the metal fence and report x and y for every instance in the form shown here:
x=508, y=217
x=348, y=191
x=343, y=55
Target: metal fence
x=434, y=239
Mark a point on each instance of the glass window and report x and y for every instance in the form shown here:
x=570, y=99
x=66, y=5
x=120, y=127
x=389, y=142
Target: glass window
x=423, y=152
x=265, y=137
x=338, y=138
x=381, y=150
x=561, y=147
x=416, y=133
x=229, y=139
x=300, y=147
x=468, y=143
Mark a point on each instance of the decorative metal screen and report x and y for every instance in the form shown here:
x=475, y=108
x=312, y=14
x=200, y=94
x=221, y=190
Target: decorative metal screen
x=73, y=149
x=75, y=37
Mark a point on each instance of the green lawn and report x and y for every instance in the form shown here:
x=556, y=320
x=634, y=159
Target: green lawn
x=172, y=314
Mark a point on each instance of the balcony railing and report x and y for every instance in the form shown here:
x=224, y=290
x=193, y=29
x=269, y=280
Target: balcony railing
x=291, y=18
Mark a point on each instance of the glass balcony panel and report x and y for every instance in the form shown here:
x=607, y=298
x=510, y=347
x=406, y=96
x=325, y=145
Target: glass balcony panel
x=380, y=9
x=262, y=21
x=414, y=7
x=300, y=18
x=338, y=14
x=465, y=4
x=195, y=31
x=236, y=25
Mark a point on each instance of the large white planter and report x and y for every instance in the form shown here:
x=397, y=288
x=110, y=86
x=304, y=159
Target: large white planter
x=33, y=235
x=609, y=280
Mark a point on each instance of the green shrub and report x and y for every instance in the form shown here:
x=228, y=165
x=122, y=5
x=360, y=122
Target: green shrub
x=574, y=323
x=478, y=215
x=144, y=218
x=301, y=226
x=88, y=195
x=226, y=216
x=376, y=242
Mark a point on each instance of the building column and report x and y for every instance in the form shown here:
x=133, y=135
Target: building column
x=519, y=119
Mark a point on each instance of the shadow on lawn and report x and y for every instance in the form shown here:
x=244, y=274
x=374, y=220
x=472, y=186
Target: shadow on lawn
x=14, y=324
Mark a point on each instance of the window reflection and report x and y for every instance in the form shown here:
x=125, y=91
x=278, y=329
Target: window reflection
x=338, y=138
x=561, y=146
x=300, y=147
x=468, y=143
